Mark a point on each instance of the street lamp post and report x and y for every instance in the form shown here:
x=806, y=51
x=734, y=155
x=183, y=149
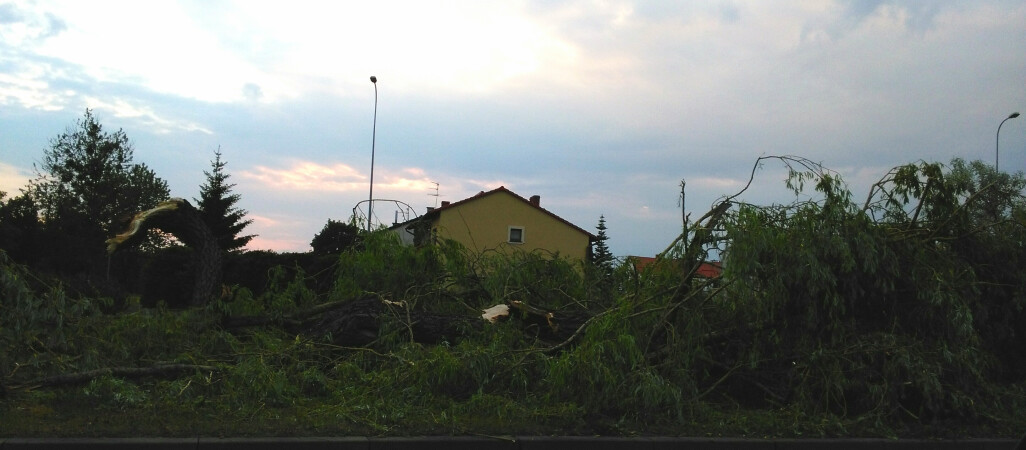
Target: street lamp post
x=374, y=133
x=997, y=139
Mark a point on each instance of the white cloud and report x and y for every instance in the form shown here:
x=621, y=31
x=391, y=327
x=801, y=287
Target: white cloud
x=144, y=114
x=428, y=47
x=153, y=45
x=27, y=90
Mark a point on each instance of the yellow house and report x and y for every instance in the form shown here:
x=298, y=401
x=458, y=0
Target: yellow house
x=499, y=220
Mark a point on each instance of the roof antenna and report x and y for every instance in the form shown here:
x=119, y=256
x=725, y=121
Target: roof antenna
x=435, y=195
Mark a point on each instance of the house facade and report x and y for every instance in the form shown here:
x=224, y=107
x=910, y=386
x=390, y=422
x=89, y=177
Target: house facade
x=499, y=220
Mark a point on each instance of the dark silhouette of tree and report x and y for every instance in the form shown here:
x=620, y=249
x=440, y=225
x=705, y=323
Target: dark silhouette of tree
x=86, y=186
x=20, y=228
x=335, y=237
x=601, y=259
x=217, y=207
x=601, y=256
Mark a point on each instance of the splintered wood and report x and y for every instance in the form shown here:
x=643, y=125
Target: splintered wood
x=495, y=313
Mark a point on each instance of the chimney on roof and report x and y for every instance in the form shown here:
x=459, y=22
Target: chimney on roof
x=430, y=208
x=445, y=203
x=536, y=200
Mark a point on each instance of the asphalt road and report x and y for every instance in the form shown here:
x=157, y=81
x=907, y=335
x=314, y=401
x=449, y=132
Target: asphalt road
x=500, y=443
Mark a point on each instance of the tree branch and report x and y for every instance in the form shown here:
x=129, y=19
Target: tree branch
x=123, y=372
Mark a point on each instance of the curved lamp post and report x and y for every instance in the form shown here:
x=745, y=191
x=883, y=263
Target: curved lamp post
x=374, y=132
x=997, y=139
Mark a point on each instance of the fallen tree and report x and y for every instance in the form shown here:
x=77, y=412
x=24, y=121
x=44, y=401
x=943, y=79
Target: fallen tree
x=358, y=322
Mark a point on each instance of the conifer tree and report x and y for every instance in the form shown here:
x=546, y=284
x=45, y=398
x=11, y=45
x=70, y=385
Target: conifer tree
x=601, y=256
x=217, y=207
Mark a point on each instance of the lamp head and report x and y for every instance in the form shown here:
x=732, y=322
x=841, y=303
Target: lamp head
x=374, y=79
x=1013, y=115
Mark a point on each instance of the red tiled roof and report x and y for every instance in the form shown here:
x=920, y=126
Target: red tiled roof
x=711, y=269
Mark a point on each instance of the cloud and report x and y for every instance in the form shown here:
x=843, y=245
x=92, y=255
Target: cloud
x=147, y=117
x=716, y=183
x=12, y=178
x=306, y=175
x=29, y=92
x=20, y=27
x=276, y=233
x=154, y=46
x=324, y=179
x=219, y=54
x=279, y=245
x=252, y=92
x=263, y=221
x=435, y=48
x=837, y=21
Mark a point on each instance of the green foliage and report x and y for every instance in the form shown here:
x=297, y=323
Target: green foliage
x=110, y=392
x=540, y=279
x=88, y=175
x=86, y=185
x=385, y=266
x=286, y=292
x=259, y=381
x=35, y=327
x=617, y=378
x=600, y=255
x=253, y=269
x=879, y=306
x=217, y=208
x=336, y=237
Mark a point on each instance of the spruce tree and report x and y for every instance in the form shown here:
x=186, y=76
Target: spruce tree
x=217, y=207
x=601, y=256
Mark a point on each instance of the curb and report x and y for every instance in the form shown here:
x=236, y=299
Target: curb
x=501, y=443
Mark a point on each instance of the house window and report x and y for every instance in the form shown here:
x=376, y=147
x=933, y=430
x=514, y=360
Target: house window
x=516, y=235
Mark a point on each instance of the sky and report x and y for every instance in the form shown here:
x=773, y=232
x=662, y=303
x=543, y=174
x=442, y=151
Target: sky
x=603, y=108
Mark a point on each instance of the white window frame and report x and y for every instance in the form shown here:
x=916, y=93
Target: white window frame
x=509, y=234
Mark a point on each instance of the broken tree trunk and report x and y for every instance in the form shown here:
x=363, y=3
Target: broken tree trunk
x=179, y=218
x=358, y=323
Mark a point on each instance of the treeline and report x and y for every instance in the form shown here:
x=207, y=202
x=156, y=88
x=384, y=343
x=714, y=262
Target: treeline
x=87, y=188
